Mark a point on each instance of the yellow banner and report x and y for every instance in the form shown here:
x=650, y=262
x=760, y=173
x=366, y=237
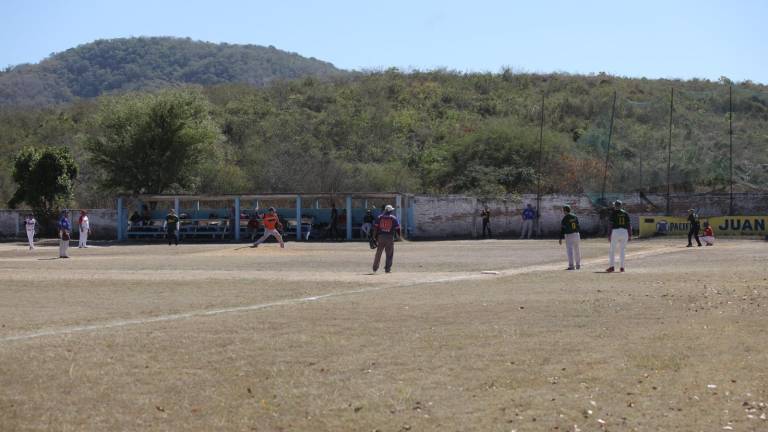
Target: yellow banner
x=721, y=225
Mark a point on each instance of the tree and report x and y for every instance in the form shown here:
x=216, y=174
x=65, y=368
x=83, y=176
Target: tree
x=45, y=179
x=153, y=143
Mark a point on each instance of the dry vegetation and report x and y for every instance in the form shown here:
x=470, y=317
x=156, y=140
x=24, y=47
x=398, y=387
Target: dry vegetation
x=151, y=338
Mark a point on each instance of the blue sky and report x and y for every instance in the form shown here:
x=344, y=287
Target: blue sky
x=654, y=39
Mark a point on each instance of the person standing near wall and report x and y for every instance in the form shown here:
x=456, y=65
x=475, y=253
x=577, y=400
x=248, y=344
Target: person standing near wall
x=172, y=227
x=693, y=227
x=569, y=230
x=29, y=225
x=384, y=231
x=85, y=229
x=65, y=232
x=529, y=214
x=333, y=229
x=620, y=235
x=368, y=220
x=485, y=214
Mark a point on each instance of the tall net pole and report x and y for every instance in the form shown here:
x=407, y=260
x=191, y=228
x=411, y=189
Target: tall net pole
x=608, y=149
x=730, y=138
x=541, y=151
x=669, y=151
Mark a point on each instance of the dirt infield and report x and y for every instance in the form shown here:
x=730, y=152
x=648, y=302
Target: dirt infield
x=220, y=337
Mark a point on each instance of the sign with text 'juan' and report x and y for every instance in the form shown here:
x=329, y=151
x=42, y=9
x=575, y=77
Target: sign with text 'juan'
x=721, y=225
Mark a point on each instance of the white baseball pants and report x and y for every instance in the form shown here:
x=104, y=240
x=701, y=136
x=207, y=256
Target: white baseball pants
x=619, y=237
x=270, y=232
x=572, y=242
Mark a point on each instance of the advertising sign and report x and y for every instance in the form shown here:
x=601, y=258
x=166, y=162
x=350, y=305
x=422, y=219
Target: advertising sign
x=721, y=225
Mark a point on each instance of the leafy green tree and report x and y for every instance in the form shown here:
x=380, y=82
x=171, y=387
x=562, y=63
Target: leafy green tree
x=153, y=143
x=45, y=179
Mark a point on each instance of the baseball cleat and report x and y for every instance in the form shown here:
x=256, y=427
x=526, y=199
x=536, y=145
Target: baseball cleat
x=609, y=269
x=622, y=270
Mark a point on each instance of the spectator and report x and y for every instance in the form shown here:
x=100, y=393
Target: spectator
x=333, y=229
x=172, y=227
x=135, y=219
x=485, y=214
x=146, y=215
x=368, y=220
x=253, y=224
x=529, y=214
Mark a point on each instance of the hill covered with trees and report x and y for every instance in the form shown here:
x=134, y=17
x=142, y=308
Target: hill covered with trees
x=149, y=63
x=438, y=132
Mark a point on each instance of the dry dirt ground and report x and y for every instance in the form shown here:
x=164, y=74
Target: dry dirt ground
x=217, y=337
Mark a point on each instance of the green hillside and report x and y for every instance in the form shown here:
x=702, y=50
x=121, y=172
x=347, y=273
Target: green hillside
x=436, y=132
x=148, y=63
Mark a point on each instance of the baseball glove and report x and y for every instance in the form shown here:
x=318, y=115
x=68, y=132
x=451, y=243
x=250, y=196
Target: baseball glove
x=373, y=243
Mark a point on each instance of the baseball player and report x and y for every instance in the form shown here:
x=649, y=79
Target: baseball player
x=271, y=224
x=384, y=231
x=85, y=229
x=693, y=227
x=65, y=231
x=709, y=235
x=620, y=234
x=29, y=224
x=569, y=230
x=172, y=227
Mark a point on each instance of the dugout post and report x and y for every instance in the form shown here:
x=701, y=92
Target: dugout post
x=399, y=207
x=298, y=217
x=349, y=217
x=236, y=219
x=120, y=226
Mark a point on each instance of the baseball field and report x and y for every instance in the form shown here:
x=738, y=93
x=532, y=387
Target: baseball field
x=488, y=335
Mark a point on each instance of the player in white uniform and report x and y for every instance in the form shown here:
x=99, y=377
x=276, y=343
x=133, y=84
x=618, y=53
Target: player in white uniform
x=620, y=235
x=29, y=224
x=85, y=229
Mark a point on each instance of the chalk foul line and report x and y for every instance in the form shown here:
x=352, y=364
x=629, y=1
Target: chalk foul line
x=287, y=302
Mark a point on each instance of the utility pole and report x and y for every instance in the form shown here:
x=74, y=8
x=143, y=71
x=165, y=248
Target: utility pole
x=541, y=151
x=730, y=138
x=608, y=148
x=669, y=151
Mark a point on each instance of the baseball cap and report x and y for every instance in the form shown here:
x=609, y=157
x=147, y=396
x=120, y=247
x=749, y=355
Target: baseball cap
x=271, y=209
x=389, y=208
x=567, y=207
x=617, y=203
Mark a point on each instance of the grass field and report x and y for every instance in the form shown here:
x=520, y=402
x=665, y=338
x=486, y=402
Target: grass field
x=216, y=337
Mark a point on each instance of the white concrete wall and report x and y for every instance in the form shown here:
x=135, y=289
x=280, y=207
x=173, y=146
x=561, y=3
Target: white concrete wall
x=457, y=216
x=103, y=223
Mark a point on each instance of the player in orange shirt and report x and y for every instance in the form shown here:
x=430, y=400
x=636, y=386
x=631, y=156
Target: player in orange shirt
x=271, y=224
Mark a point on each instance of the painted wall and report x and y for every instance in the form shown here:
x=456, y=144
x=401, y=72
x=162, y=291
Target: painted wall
x=103, y=223
x=458, y=216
